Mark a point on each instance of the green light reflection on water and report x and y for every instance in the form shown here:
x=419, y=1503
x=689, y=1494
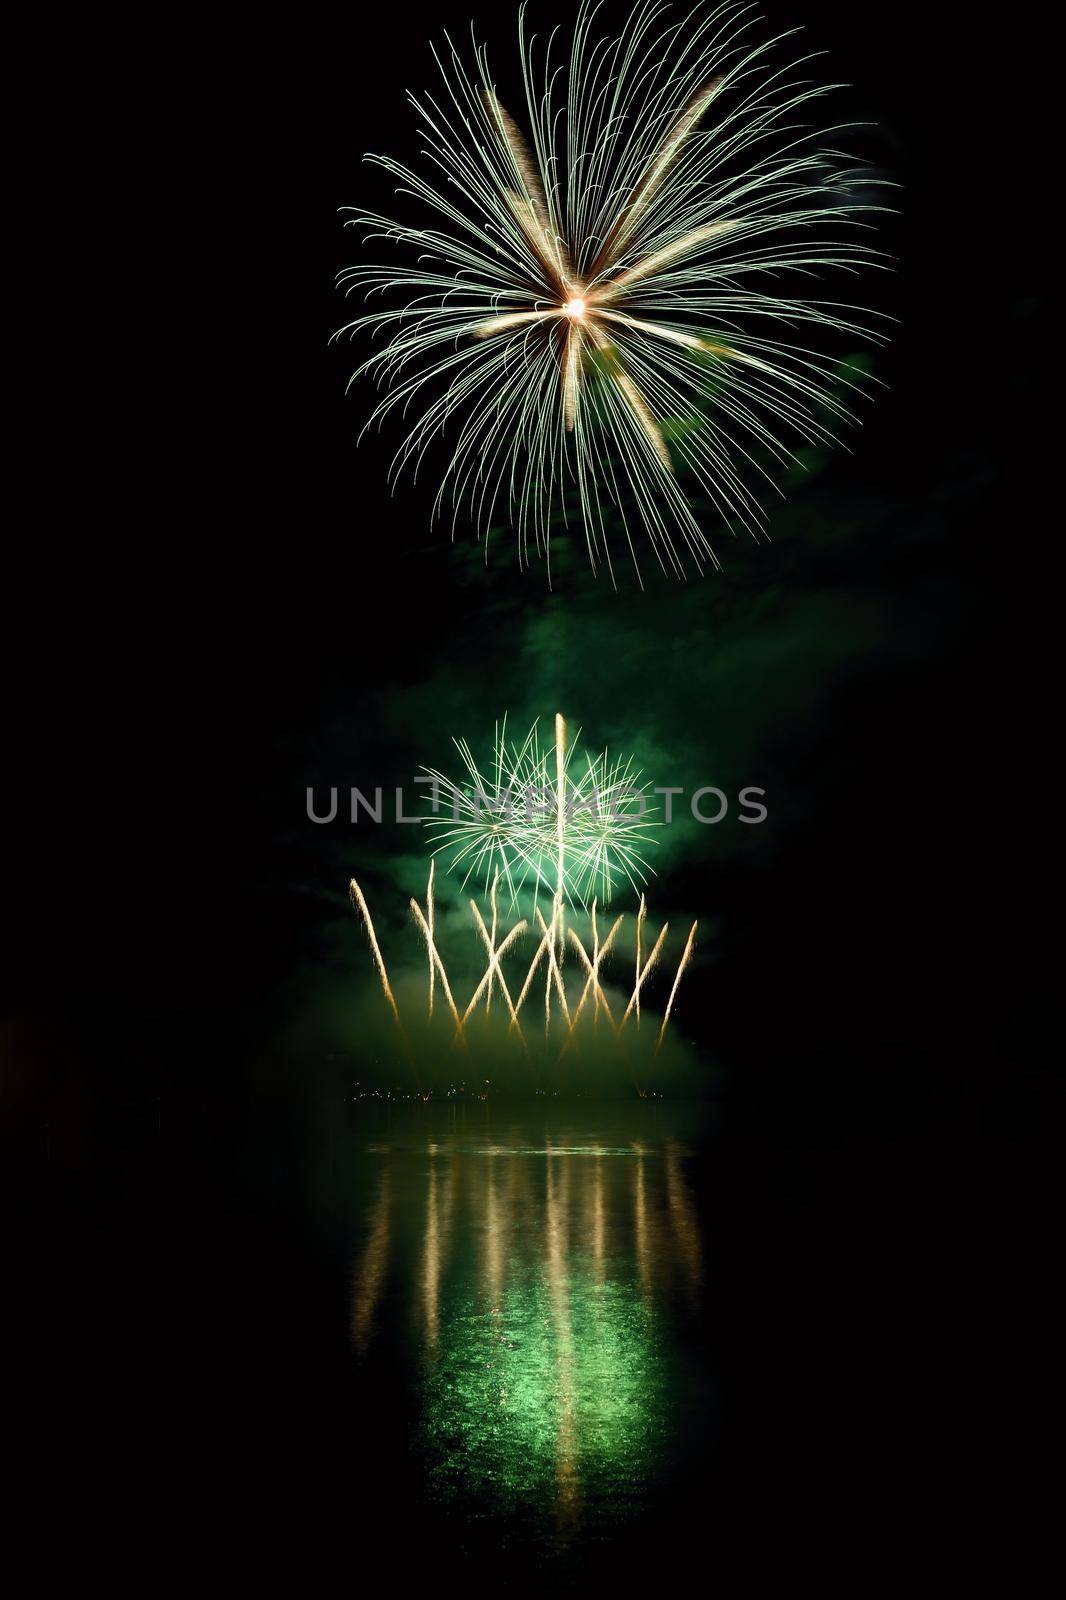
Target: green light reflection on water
x=546, y=1376
x=539, y=1294
x=531, y=1394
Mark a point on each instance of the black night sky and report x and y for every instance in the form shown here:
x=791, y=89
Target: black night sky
x=251, y=612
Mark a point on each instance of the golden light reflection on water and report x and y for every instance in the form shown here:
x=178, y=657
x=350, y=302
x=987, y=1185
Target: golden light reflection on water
x=440, y=1200
x=371, y=1272
x=546, y=1281
x=567, y=1479
x=683, y=1222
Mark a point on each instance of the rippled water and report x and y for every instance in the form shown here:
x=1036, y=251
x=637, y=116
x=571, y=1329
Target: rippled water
x=538, y=1287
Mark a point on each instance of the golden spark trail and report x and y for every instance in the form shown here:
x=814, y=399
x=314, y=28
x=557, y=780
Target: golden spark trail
x=485, y=330
x=640, y=925
x=634, y=999
x=429, y=925
x=492, y=946
x=595, y=964
x=571, y=376
x=494, y=973
x=590, y=982
x=435, y=956
x=553, y=967
x=559, y=938
x=683, y=964
x=593, y=969
x=633, y=397
x=359, y=901
x=664, y=158
x=531, y=211
x=494, y=961
x=532, y=969
x=494, y=956
x=605, y=293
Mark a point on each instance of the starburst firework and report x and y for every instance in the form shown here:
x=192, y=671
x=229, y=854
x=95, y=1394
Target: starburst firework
x=595, y=310
x=513, y=816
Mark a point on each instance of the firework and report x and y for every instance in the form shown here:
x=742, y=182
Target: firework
x=573, y=836
x=435, y=960
x=642, y=972
x=682, y=964
x=429, y=934
x=614, y=299
x=358, y=900
x=541, y=948
x=610, y=820
x=555, y=975
x=641, y=914
x=494, y=953
x=494, y=971
x=599, y=955
x=494, y=964
x=496, y=821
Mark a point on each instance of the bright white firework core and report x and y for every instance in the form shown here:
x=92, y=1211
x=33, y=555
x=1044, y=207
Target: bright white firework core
x=575, y=308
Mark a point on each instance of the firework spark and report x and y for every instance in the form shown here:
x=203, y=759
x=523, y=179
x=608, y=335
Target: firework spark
x=595, y=310
x=494, y=972
x=682, y=964
x=359, y=902
x=541, y=948
x=555, y=975
x=575, y=835
x=434, y=956
x=494, y=952
x=429, y=934
x=592, y=967
x=641, y=914
x=642, y=972
x=494, y=956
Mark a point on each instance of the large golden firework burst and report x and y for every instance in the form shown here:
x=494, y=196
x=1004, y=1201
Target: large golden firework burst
x=601, y=310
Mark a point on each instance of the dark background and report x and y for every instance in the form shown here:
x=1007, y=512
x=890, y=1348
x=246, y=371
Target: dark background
x=251, y=612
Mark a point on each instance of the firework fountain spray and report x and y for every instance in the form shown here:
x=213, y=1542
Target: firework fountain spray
x=567, y=845
x=359, y=902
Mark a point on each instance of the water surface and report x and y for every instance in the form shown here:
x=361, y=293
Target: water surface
x=536, y=1285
